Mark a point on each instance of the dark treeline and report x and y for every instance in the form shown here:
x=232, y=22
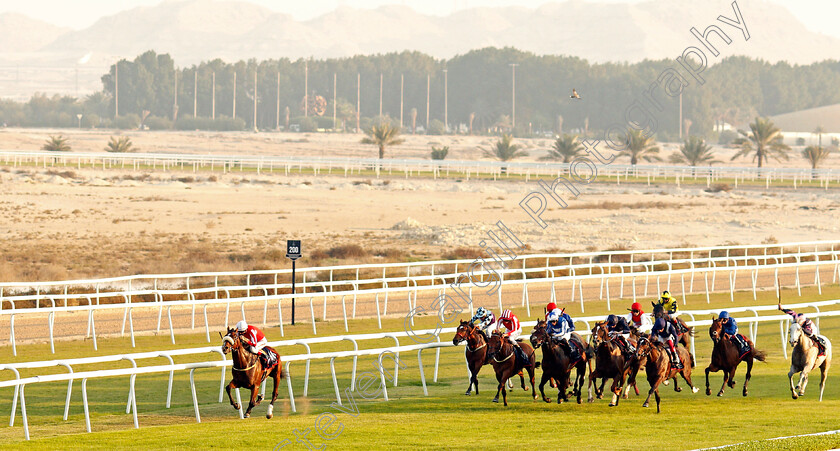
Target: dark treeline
x=479, y=87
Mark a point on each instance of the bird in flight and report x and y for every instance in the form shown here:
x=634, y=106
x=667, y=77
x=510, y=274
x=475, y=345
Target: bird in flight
x=574, y=95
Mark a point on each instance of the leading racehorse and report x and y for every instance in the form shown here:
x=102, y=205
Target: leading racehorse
x=683, y=329
x=248, y=371
x=611, y=363
x=805, y=358
x=726, y=357
x=503, y=358
x=476, y=352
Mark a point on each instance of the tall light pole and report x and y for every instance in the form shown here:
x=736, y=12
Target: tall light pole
x=380, y=95
x=213, y=101
x=175, y=104
x=358, y=99
x=428, y=85
x=513, y=95
x=445, y=100
x=402, y=87
x=195, y=93
x=306, y=88
x=256, y=71
x=335, y=107
x=277, y=125
x=234, y=95
x=117, y=90
x=679, y=125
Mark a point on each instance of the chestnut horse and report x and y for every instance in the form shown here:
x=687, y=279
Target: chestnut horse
x=610, y=362
x=725, y=357
x=502, y=357
x=248, y=371
x=476, y=352
x=556, y=364
x=805, y=359
x=679, y=325
x=658, y=367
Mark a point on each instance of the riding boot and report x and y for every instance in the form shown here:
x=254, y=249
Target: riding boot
x=520, y=354
x=571, y=350
x=675, y=359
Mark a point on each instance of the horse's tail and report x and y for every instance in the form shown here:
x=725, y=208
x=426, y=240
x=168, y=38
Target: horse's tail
x=761, y=356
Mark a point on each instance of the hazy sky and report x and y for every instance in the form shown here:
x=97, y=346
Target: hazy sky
x=817, y=15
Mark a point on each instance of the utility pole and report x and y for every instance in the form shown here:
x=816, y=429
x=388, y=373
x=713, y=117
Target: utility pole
x=234, y=95
x=213, y=102
x=117, y=90
x=175, y=105
x=335, y=108
x=277, y=125
x=306, y=88
x=380, y=95
x=445, y=100
x=680, y=124
x=428, y=85
x=358, y=99
x=256, y=70
x=195, y=94
x=402, y=87
x=513, y=95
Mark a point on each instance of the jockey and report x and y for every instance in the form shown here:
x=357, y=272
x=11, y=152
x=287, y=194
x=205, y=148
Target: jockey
x=665, y=333
x=558, y=329
x=486, y=320
x=730, y=328
x=808, y=328
x=637, y=317
x=513, y=330
x=256, y=339
x=669, y=304
x=617, y=327
x=551, y=307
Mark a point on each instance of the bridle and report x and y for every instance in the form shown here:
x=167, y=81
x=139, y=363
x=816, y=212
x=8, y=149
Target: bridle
x=469, y=335
x=502, y=343
x=235, y=342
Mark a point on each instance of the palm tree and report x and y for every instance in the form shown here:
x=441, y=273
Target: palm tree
x=56, y=144
x=765, y=140
x=638, y=146
x=693, y=152
x=505, y=150
x=439, y=153
x=819, y=132
x=122, y=144
x=815, y=155
x=565, y=148
x=382, y=136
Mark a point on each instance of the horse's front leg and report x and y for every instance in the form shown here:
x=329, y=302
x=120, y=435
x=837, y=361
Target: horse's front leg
x=711, y=368
x=501, y=377
x=653, y=388
x=545, y=378
x=803, y=381
x=793, y=389
x=276, y=377
x=230, y=386
x=253, y=402
x=676, y=384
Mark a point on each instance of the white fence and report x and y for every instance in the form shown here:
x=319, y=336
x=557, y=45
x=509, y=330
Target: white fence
x=821, y=310
x=289, y=165
x=408, y=287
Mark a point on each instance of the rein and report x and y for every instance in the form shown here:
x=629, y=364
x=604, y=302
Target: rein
x=229, y=339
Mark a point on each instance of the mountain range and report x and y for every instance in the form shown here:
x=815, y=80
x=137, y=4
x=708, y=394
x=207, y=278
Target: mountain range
x=196, y=30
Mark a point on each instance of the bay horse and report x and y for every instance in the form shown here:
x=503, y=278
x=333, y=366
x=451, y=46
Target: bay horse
x=248, y=371
x=611, y=363
x=556, y=364
x=503, y=358
x=476, y=352
x=805, y=359
x=658, y=367
x=683, y=329
x=726, y=358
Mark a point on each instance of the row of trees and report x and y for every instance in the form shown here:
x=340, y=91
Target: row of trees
x=473, y=89
x=762, y=142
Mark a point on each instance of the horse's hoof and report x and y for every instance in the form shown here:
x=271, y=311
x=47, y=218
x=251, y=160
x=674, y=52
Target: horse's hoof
x=745, y=393
x=269, y=416
x=645, y=405
x=590, y=400
x=666, y=382
x=467, y=393
x=677, y=389
x=613, y=405
x=600, y=396
x=259, y=399
x=547, y=399
x=720, y=393
x=795, y=396
x=495, y=399
x=247, y=415
x=708, y=392
x=579, y=401
x=694, y=389
x=236, y=406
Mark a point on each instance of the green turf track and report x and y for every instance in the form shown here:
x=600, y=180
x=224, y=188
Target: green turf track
x=446, y=419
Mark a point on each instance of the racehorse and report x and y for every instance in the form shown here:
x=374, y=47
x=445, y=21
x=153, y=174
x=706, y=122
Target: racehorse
x=726, y=357
x=556, y=364
x=805, y=359
x=610, y=362
x=248, y=371
x=658, y=367
x=502, y=356
x=476, y=352
x=683, y=329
